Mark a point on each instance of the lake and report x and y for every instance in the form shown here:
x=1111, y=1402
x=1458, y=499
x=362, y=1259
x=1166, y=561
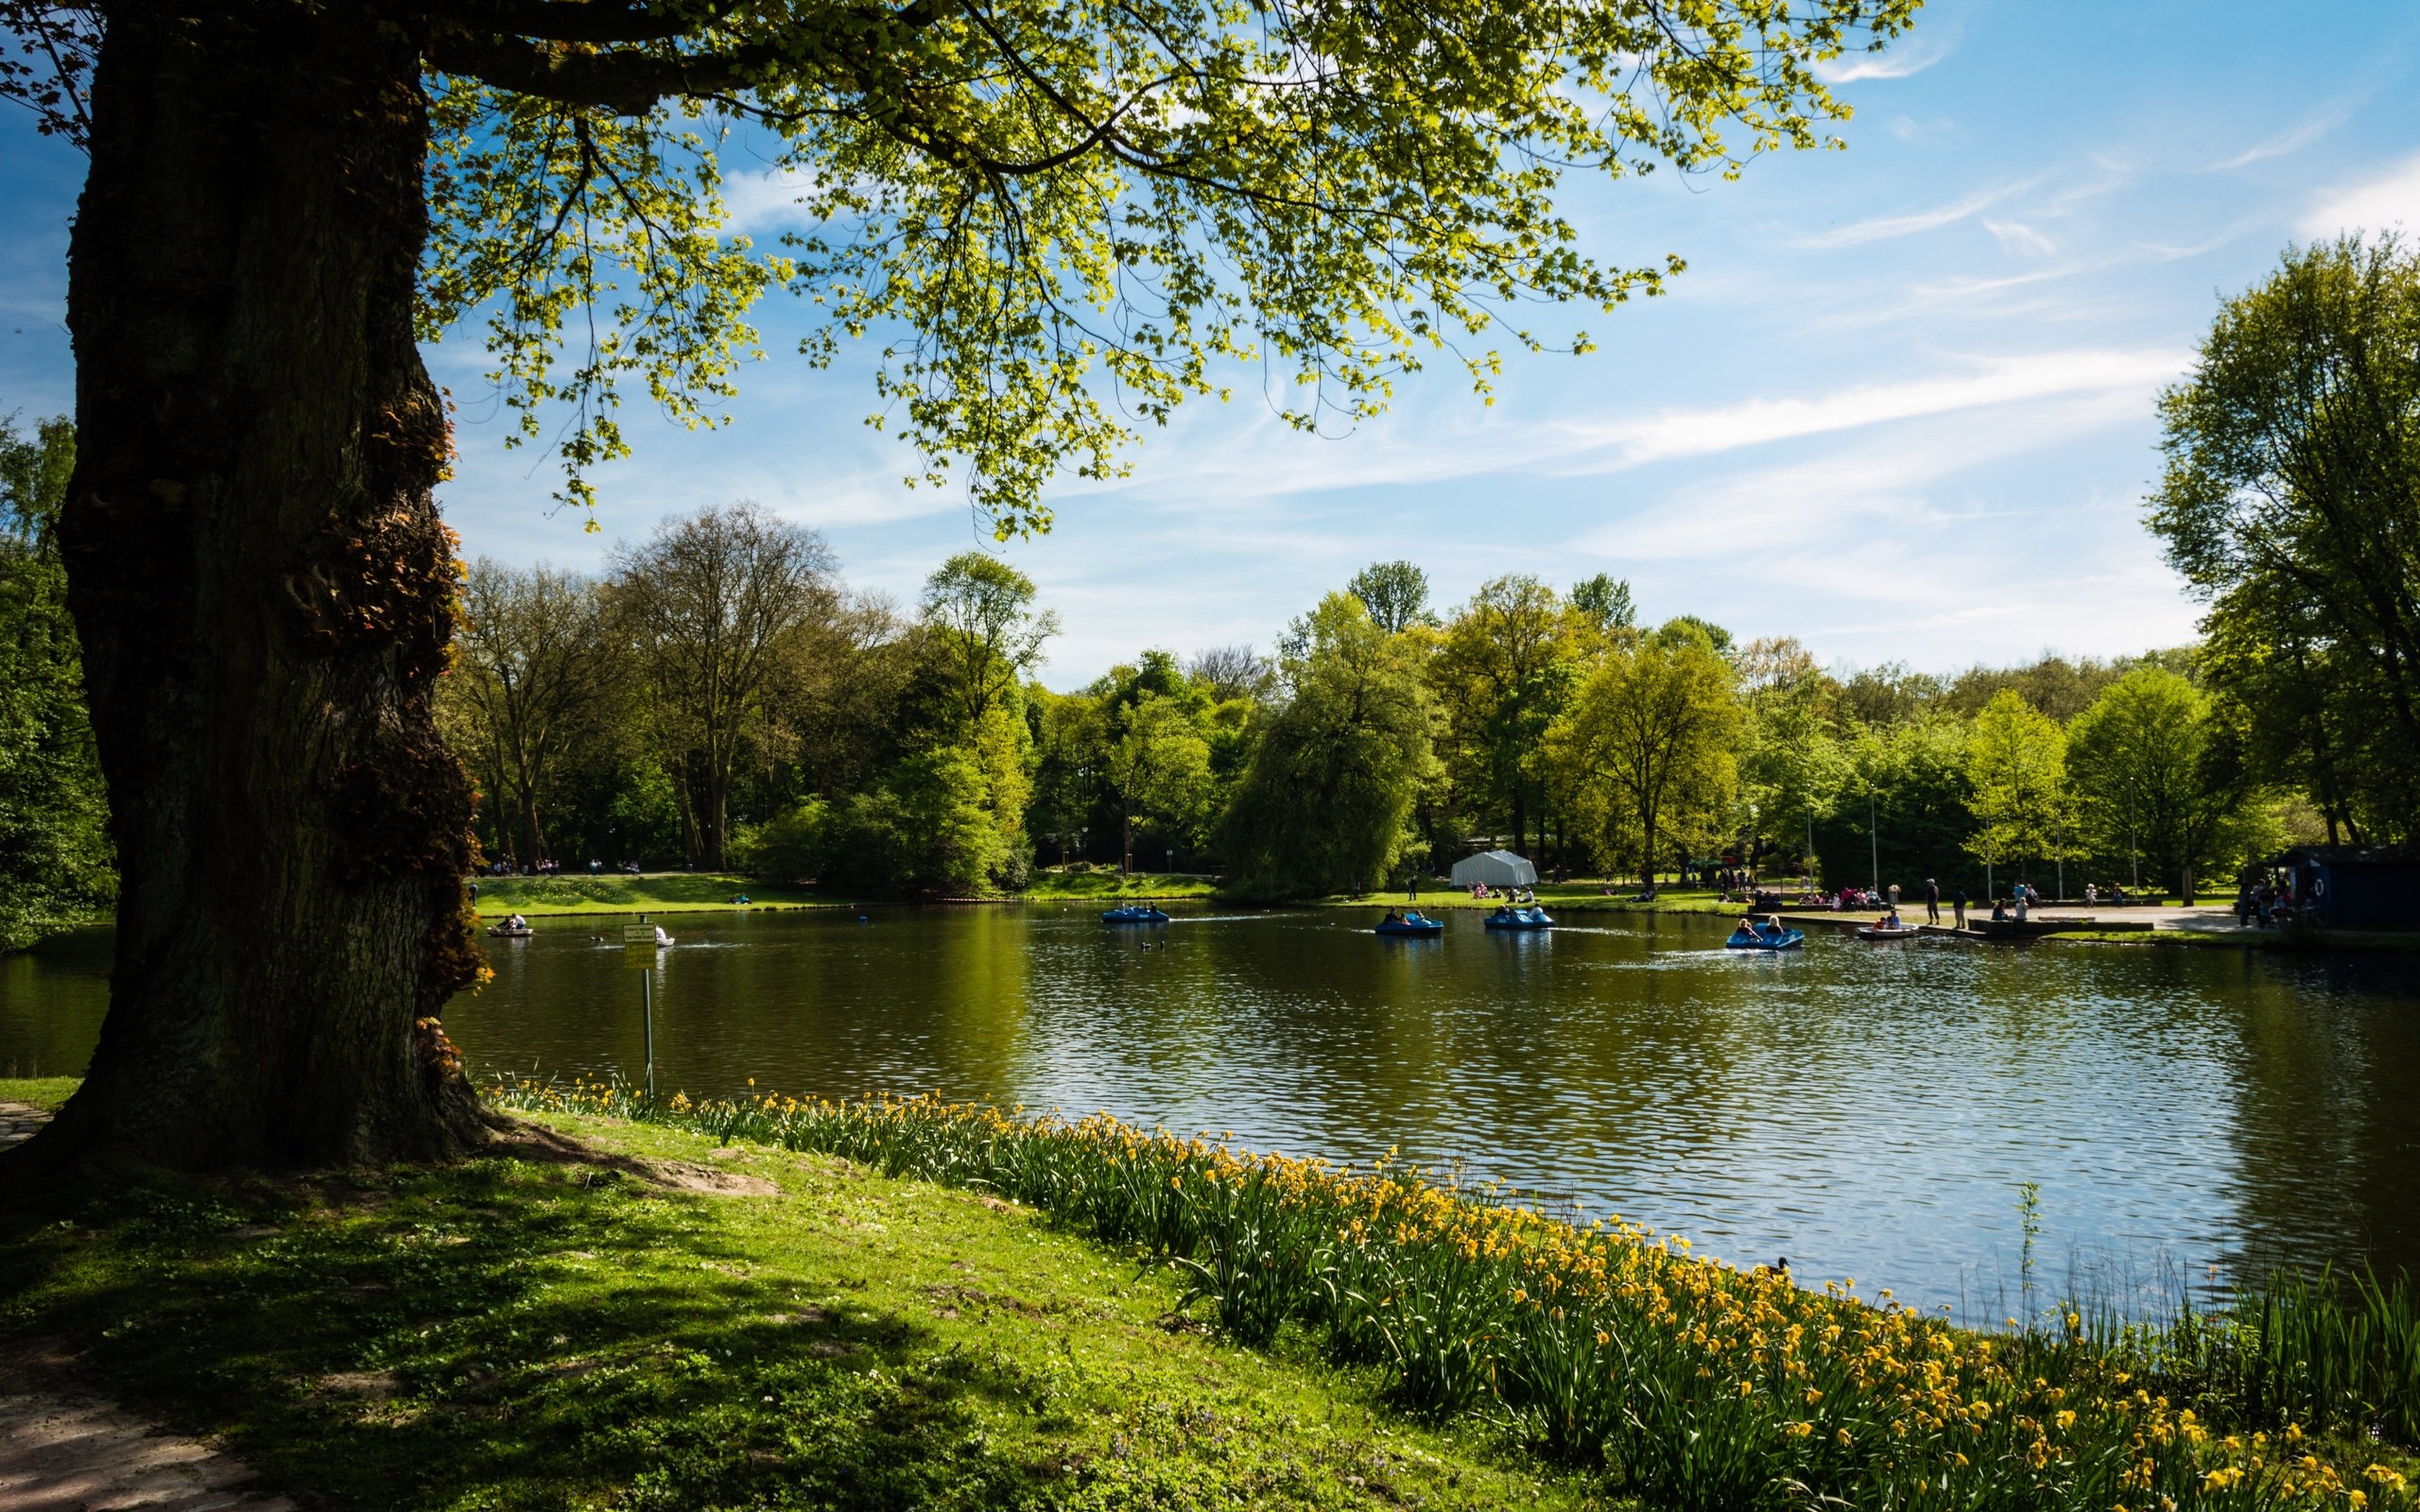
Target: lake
x=1868, y=1111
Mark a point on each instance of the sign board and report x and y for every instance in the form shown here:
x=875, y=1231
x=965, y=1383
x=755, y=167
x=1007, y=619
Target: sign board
x=638, y=946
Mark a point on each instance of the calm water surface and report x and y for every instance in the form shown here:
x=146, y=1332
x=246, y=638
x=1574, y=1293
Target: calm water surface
x=1867, y=1111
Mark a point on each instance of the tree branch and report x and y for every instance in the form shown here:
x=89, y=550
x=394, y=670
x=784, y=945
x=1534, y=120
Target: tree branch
x=629, y=83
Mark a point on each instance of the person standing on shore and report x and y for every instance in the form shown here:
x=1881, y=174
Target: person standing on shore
x=1960, y=906
x=1932, y=900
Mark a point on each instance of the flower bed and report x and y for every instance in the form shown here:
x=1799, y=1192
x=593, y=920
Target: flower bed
x=1702, y=1385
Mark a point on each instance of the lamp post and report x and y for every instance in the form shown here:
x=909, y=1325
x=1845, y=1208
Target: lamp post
x=1753, y=833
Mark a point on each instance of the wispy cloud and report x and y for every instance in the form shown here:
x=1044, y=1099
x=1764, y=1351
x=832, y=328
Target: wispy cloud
x=1913, y=553
x=2293, y=139
x=1897, y=61
x=768, y=199
x=2374, y=204
x=1883, y=228
x=2017, y=236
x=2002, y=380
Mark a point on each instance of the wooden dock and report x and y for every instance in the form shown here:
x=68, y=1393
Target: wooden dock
x=1984, y=929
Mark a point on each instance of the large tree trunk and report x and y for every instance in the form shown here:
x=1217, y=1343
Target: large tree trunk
x=265, y=592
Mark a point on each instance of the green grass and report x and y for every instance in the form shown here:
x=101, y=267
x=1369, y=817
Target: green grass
x=42, y=1091
x=665, y=892
x=1053, y=885
x=505, y=1335
x=1571, y=897
x=1699, y=1386
x=2246, y=940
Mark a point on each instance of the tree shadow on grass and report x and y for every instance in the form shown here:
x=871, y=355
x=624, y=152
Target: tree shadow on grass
x=508, y=1335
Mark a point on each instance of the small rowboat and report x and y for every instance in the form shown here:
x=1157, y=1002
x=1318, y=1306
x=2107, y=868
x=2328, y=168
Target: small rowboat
x=1789, y=940
x=508, y=932
x=1410, y=924
x=1134, y=914
x=1886, y=931
x=1520, y=919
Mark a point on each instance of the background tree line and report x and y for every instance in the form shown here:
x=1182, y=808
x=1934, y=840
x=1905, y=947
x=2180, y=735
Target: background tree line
x=719, y=697
x=55, y=855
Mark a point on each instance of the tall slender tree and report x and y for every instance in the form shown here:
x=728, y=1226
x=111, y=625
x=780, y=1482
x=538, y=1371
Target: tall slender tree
x=2153, y=766
x=2291, y=496
x=527, y=684
x=1158, y=766
x=1497, y=676
x=707, y=605
x=1650, y=738
x=1395, y=593
x=2016, y=761
x=991, y=635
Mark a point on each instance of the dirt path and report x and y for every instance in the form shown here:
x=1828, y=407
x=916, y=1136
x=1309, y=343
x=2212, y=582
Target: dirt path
x=65, y=1450
x=18, y=1122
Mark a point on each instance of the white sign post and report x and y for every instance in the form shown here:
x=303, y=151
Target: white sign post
x=638, y=953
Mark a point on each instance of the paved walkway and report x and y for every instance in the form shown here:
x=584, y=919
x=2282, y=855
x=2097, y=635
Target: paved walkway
x=18, y=1122
x=2208, y=917
x=65, y=1449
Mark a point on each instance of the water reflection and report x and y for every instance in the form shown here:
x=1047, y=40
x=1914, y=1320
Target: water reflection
x=1867, y=1111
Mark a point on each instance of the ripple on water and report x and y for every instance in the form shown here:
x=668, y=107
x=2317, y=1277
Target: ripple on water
x=1869, y=1111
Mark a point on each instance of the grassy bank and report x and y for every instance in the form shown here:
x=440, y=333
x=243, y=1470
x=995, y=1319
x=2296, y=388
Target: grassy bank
x=40, y=1091
x=2247, y=940
x=662, y=892
x=1559, y=897
x=841, y=1310
x=1693, y=1385
x=1058, y=886
x=684, y=892
x=518, y=1334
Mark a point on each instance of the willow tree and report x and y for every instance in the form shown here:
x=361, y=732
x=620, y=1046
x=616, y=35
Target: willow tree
x=1057, y=218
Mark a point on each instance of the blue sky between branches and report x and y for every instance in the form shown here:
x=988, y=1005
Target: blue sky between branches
x=1900, y=405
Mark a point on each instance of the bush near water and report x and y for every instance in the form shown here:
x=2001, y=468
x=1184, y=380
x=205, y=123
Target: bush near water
x=1702, y=1385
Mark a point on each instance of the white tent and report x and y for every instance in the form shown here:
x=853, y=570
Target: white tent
x=1497, y=868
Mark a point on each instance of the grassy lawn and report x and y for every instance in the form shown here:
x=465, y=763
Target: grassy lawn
x=42, y=1091
x=1571, y=897
x=1054, y=886
x=2247, y=940
x=683, y=892
x=513, y=1334
x=663, y=892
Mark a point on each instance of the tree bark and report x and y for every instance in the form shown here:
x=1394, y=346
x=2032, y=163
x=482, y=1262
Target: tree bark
x=265, y=592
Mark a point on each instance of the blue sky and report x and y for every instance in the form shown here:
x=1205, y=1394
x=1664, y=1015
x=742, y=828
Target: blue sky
x=1901, y=405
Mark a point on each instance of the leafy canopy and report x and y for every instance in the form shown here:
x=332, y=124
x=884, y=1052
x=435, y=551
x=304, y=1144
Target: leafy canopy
x=2016, y=764
x=2292, y=502
x=1326, y=801
x=1059, y=216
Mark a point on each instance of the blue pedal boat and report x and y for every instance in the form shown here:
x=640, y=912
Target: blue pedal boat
x=1134, y=914
x=1531, y=917
x=1410, y=924
x=1788, y=940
